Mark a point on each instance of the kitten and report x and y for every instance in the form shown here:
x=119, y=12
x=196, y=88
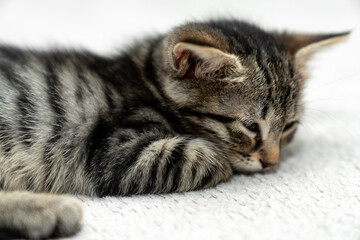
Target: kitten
x=175, y=113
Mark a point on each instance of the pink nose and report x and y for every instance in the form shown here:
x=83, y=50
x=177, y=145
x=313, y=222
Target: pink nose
x=269, y=157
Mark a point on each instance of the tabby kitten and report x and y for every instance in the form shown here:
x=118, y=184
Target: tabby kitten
x=174, y=113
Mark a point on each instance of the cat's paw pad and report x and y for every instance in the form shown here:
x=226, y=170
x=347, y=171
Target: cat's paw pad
x=38, y=216
x=68, y=213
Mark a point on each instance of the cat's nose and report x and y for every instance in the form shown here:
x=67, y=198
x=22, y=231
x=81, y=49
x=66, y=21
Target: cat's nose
x=270, y=156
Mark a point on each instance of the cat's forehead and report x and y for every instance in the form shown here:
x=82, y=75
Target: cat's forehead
x=268, y=70
x=256, y=98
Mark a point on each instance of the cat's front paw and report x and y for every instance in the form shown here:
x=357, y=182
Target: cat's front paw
x=35, y=216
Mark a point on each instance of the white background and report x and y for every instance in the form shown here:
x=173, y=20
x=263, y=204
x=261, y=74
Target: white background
x=313, y=194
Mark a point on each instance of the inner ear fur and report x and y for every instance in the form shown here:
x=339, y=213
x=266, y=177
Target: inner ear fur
x=203, y=62
x=194, y=51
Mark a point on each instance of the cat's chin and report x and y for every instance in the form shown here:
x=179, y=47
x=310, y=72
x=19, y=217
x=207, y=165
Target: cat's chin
x=243, y=166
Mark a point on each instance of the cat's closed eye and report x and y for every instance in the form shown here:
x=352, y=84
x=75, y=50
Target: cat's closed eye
x=253, y=127
x=290, y=125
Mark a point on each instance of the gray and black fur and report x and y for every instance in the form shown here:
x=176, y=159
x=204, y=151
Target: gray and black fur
x=174, y=113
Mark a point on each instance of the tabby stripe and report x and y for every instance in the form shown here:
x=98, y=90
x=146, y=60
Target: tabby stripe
x=246, y=44
x=79, y=92
x=194, y=126
x=10, y=75
x=127, y=159
x=269, y=96
x=264, y=111
x=80, y=100
x=55, y=102
x=206, y=178
x=5, y=135
x=178, y=162
x=95, y=141
x=209, y=131
x=153, y=173
x=54, y=97
x=194, y=171
x=286, y=99
x=258, y=141
x=5, y=127
x=151, y=75
x=109, y=98
x=30, y=183
x=27, y=109
x=261, y=64
x=291, y=69
x=24, y=104
x=81, y=84
x=236, y=136
x=173, y=165
x=141, y=126
x=216, y=117
x=2, y=184
x=96, y=167
x=11, y=53
x=83, y=79
x=134, y=187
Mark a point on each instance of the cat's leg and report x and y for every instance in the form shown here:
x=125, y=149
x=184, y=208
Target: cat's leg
x=151, y=163
x=38, y=215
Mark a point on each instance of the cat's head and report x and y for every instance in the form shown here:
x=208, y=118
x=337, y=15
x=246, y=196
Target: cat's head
x=238, y=86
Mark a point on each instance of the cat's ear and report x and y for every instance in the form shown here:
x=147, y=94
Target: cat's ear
x=203, y=62
x=302, y=46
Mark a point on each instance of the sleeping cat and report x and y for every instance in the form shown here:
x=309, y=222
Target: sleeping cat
x=175, y=113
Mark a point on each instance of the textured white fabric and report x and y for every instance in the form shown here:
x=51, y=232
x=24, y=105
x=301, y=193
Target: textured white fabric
x=313, y=194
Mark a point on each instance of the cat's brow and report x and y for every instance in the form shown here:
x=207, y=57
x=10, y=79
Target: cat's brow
x=214, y=116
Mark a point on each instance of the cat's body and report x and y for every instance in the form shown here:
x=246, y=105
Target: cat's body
x=80, y=122
x=175, y=113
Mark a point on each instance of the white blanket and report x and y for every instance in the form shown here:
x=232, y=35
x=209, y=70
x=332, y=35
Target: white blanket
x=314, y=193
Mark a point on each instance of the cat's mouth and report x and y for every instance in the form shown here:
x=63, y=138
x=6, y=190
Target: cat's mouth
x=249, y=162
x=244, y=163
x=266, y=165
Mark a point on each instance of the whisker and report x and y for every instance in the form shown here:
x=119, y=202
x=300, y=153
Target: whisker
x=347, y=77
x=309, y=101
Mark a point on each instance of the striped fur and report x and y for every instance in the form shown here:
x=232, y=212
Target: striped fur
x=175, y=113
